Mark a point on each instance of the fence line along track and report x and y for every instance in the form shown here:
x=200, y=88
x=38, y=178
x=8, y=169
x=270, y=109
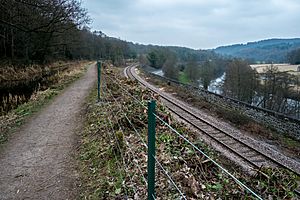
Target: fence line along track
x=159, y=164
x=242, y=103
x=250, y=155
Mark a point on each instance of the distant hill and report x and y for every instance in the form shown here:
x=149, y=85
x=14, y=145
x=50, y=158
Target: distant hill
x=270, y=50
x=183, y=53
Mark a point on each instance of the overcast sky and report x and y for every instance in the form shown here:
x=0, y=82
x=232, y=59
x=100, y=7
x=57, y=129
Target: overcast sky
x=197, y=24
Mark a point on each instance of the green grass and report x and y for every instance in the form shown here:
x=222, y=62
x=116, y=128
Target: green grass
x=291, y=142
x=183, y=78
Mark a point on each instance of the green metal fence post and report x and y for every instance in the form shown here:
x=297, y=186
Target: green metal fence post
x=99, y=76
x=151, y=150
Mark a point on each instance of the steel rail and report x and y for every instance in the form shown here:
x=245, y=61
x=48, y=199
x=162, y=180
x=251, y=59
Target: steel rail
x=130, y=70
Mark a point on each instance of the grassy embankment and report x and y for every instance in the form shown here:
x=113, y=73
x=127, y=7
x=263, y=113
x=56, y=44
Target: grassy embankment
x=55, y=84
x=183, y=78
x=113, y=159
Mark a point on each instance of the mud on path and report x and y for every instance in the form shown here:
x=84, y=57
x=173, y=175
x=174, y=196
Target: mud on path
x=38, y=161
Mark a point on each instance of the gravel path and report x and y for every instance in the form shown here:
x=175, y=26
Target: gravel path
x=38, y=161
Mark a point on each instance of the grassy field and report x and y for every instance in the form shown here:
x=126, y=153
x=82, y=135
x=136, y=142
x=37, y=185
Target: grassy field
x=281, y=67
x=183, y=78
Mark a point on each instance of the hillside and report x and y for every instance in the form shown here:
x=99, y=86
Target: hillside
x=270, y=50
x=182, y=53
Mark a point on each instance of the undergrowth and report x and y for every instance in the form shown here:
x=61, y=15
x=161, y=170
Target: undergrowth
x=13, y=119
x=113, y=157
x=19, y=83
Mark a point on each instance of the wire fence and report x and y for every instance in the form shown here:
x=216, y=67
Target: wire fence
x=140, y=137
x=120, y=128
x=108, y=98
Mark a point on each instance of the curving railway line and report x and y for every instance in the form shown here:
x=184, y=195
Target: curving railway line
x=251, y=153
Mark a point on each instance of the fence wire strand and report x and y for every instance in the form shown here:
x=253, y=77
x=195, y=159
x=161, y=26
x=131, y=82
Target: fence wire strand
x=121, y=152
x=208, y=157
x=156, y=160
x=124, y=135
x=129, y=121
x=138, y=101
x=184, y=138
x=127, y=143
x=217, y=164
x=116, y=157
x=168, y=176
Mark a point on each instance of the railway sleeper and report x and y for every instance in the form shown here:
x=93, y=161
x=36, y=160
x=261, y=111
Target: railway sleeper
x=185, y=116
x=217, y=135
x=199, y=123
x=196, y=121
x=234, y=144
x=252, y=155
x=207, y=129
x=261, y=162
x=246, y=150
x=226, y=140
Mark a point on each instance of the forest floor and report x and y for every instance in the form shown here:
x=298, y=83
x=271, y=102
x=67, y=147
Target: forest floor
x=37, y=162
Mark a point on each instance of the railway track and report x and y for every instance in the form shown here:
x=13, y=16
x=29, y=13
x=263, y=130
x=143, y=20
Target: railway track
x=127, y=73
x=260, y=109
x=253, y=157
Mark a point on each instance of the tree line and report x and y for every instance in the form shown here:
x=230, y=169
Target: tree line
x=199, y=66
x=39, y=31
x=272, y=89
x=264, y=51
x=294, y=57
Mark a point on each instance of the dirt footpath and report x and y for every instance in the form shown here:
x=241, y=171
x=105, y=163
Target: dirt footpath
x=37, y=162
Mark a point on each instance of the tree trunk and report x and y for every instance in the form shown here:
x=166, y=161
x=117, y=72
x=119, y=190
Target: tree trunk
x=12, y=44
x=4, y=43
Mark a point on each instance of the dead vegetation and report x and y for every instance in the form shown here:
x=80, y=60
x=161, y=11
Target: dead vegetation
x=18, y=83
x=15, y=117
x=113, y=157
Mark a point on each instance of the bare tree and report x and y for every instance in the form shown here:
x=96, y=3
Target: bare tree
x=37, y=25
x=277, y=90
x=192, y=71
x=240, y=81
x=207, y=73
x=170, y=67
